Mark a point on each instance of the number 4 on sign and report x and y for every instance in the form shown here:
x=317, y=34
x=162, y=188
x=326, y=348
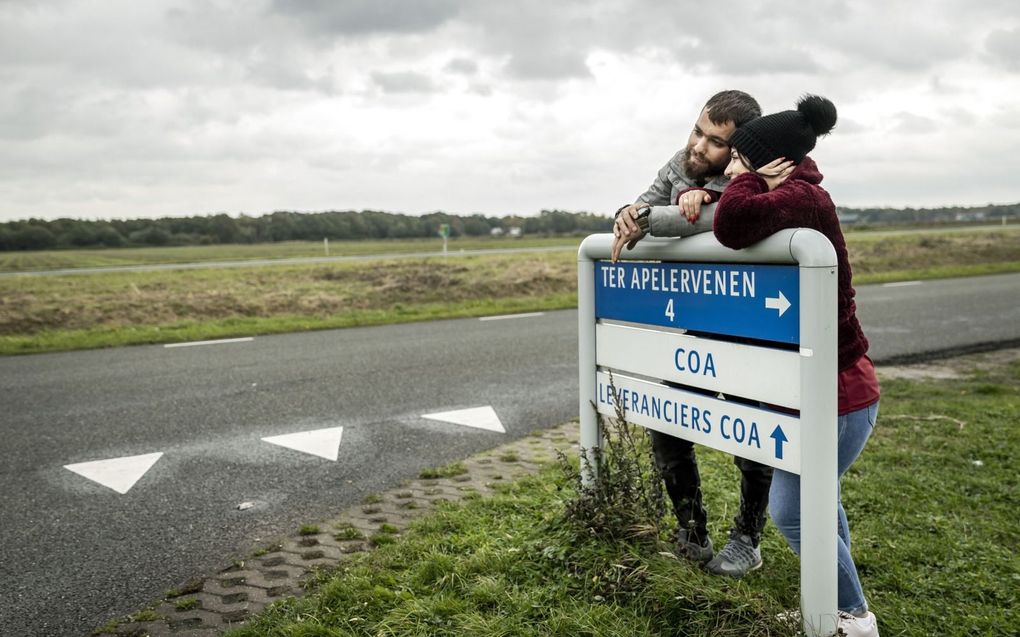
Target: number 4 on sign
x=669, y=311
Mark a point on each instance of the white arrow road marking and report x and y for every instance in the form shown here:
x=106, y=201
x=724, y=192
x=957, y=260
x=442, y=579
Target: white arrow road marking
x=119, y=474
x=781, y=303
x=478, y=417
x=324, y=443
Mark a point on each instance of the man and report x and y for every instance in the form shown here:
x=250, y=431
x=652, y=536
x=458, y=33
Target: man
x=699, y=165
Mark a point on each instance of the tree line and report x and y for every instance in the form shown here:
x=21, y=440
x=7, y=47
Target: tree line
x=40, y=234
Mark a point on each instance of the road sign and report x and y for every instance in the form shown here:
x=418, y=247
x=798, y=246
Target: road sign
x=765, y=436
x=752, y=301
x=756, y=373
x=780, y=291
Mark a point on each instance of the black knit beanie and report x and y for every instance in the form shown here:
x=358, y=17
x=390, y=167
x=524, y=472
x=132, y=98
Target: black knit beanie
x=789, y=134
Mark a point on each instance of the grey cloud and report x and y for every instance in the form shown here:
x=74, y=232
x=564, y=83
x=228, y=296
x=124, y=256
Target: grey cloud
x=28, y=113
x=33, y=113
x=746, y=57
x=555, y=63
x=539, y=40
x=352, y=17
x=1004, y=45
x=912, y=124
x=462, y=66
x=288, y=68
x=847, y=126
x=403, y=82
x=1007, y=118
x=940, y=87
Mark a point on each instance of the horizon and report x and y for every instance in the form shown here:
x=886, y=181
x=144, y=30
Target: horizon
x=608, y=215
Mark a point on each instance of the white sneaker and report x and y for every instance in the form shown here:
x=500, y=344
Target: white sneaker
x=848, y=625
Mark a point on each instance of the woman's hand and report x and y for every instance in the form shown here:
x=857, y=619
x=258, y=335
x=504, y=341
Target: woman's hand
x=690, y=204
x=776, y=172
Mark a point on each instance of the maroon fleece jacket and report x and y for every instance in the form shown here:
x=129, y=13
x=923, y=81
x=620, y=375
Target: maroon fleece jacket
x=748, y=212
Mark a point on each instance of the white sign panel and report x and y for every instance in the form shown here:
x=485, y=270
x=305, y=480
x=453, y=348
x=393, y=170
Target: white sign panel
x=767, y=437
x=757, y=373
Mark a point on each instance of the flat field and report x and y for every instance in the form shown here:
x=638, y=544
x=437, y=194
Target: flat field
x=42, y=260
x=63, y=312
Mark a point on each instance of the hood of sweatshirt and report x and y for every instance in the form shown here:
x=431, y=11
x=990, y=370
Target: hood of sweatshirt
x=807, y=170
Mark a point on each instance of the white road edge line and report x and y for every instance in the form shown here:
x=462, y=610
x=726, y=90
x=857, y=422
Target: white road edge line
x=510, y=316
x=216, y=342
x=901, y=284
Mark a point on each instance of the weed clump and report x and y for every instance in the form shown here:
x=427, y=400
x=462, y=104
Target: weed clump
x=449, y=471
x=625, y=499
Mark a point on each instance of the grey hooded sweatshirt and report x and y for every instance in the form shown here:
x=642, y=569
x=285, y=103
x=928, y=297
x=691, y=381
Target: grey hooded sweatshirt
x=665, y=219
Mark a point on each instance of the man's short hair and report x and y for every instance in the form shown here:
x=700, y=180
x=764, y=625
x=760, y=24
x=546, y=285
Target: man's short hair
x=732, y=106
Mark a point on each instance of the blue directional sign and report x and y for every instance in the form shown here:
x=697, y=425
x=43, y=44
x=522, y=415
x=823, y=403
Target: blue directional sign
x=752, y=301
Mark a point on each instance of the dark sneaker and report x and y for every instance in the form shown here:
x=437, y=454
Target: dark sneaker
x=737, y=558
x=685, y=547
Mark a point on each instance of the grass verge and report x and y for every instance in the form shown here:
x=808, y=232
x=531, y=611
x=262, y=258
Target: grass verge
x=40, y=314
x=932, y=504
x=36, y=260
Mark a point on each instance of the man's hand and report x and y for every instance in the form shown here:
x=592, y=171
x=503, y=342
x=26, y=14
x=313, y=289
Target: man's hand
x=620, y=241
x=626, y=220
x=775, y=172
x=690, y=204
x=626, y=230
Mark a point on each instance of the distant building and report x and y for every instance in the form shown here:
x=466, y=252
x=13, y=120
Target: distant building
x=970, y=216
x=515, y=231
x=496, y=232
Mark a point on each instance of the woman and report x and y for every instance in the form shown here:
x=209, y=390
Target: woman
x=774, y=186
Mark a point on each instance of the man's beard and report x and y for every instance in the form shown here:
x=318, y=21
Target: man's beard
x=700, y=170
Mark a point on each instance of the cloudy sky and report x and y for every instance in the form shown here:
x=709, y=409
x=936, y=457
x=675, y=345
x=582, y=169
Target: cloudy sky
x=121, y=108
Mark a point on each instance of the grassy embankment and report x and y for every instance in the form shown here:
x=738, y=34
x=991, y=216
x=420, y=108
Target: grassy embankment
x=95, y=258
x=51, y=313
x=932, y=504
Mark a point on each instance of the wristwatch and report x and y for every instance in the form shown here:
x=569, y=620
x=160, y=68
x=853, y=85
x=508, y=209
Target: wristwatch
x=642, y=217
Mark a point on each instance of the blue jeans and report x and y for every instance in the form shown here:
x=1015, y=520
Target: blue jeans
x=784, y=504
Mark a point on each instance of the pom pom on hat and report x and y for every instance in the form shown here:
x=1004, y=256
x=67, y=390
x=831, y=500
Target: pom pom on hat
x=789, y=134
x=819, y=112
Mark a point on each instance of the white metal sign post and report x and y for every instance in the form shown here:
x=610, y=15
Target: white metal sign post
x=672, y=325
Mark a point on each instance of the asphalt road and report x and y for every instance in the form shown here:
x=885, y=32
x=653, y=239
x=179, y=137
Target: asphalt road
x=913, y=320
x=74, y=554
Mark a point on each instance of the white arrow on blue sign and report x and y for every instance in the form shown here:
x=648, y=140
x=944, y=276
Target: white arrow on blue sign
x=751, y=301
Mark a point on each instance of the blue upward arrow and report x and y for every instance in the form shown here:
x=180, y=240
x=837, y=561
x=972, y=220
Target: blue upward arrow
x=778, y=435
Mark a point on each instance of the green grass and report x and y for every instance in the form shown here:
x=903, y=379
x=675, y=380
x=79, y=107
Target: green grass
x=933, y=510
x=84, y=311
x=348, y=533
x=448, y=471
x=188, y=603
x=92, y=258
x=55, y=313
